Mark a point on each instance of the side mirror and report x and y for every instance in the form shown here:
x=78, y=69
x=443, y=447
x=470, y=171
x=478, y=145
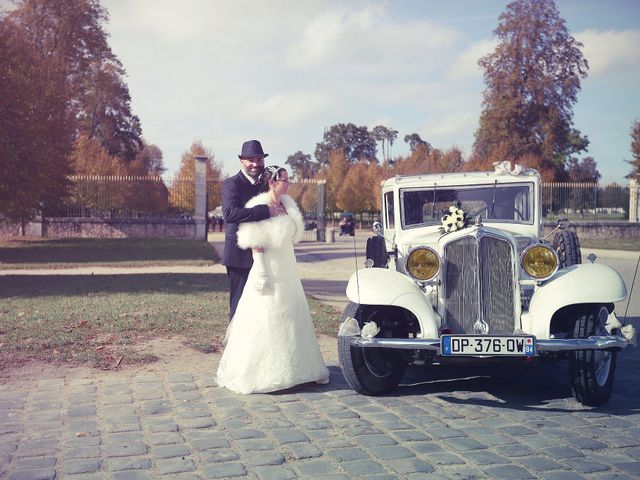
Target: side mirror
x=377, y=228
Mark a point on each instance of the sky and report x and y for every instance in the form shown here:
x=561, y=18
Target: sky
x=282, y=71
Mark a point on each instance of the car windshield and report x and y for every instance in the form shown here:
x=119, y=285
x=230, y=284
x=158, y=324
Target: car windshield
x=494, y=203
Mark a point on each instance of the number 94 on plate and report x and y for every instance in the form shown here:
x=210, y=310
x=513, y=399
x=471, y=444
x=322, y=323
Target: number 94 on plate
x=514, y=345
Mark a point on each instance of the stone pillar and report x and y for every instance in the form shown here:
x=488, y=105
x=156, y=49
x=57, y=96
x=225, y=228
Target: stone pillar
x=634, y=201
x=34, y=228
x=201, y=198
x=321, y=194
x=330, y=235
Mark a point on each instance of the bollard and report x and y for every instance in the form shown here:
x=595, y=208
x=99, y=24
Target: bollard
x=330, y=235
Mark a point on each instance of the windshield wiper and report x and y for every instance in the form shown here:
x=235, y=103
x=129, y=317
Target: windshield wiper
x=433, y=203
x=493, y=200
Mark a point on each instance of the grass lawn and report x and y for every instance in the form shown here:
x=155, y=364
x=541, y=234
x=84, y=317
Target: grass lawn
x=97, y=319
x=121, y=252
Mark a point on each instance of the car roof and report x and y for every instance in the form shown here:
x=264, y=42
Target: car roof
x=459, y=178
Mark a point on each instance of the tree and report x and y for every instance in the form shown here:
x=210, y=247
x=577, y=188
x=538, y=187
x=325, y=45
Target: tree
x=353, y=193
x=500, y=153
x=430, y=160
x=532, y=81
x=148, y=161
x=357, y=144
x=119, y=194
x=301, y=165
x=374, y=176
x=36, y=130
x=583, y=171
x=414, y=141
x=635, y=151
x=90, y=158
x=183, y=185
x=69, y=35
x=386, y=136
x=104, y=111
x=336, y=172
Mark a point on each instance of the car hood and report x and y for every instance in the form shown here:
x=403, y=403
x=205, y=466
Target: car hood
x=434, y=238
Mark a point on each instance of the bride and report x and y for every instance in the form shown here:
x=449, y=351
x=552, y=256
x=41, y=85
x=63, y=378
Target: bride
x=271, y=343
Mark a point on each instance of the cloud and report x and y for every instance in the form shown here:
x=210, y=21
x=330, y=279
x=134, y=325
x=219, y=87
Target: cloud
x=452, y=125
x=370, y=39
x=237, y=25
x=466, y=63
x=288, y=109
x=610, y=51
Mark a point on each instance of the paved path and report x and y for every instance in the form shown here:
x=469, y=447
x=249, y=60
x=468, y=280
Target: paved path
x=512, y=422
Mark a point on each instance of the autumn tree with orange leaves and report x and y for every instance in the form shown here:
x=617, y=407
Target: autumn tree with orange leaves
x=532, y=81
x=36, y=129
x=183, y=186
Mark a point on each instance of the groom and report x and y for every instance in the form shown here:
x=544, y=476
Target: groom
x=236, y=191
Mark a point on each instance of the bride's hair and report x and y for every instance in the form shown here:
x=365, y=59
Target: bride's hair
x=272, y=172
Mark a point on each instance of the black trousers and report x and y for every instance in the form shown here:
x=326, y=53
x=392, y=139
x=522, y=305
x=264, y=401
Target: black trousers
x=238, y=279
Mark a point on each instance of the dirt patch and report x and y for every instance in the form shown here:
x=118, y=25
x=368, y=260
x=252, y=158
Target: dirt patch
x=166, y=355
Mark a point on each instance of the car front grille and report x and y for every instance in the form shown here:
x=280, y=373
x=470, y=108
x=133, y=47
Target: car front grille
x=478, y=284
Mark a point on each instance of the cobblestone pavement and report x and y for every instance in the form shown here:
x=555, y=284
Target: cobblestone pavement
x=514, y=422
x=497, y=422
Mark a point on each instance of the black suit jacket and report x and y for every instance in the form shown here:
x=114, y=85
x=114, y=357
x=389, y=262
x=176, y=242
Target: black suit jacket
x=236, y=192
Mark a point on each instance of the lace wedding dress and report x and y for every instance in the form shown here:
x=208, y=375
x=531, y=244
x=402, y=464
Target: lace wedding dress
x=271, y=342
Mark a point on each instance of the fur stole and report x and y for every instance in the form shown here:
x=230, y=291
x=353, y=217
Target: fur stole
x=271, y=232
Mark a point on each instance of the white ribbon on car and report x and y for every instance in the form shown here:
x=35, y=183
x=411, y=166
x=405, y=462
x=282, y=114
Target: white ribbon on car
x=369, y=330
x=627, y=331
x=349, y=328
x=629, y=334
x=504, y=168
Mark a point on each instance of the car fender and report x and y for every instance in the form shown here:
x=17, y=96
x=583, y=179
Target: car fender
x=381, y=286
x=584, y=283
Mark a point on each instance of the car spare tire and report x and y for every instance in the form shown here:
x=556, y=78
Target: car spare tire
x=377, y=252
x=567, y=245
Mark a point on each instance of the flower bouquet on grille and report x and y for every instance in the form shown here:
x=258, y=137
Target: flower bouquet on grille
x=455, y=219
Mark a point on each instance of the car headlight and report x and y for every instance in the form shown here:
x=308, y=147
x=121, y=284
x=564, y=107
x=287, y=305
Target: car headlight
x=539, y=261
x=422, y=263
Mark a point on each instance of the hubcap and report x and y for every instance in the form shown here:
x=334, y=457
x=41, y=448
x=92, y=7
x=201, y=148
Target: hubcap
x=376, y=363
x=601, y=358
x=602, y=362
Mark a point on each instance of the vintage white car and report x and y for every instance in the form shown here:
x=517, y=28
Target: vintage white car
x=459, y=270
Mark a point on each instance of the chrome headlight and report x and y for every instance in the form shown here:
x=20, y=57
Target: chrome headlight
x=422, y=263
x=539, y=261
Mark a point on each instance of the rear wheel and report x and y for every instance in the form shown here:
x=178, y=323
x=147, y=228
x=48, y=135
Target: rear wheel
x=567, y=245
x=369, y=371
x=592, y=371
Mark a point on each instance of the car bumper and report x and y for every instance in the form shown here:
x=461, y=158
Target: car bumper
x=604, y=342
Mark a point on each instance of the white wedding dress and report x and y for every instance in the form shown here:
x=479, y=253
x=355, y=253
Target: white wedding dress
x=271, y=342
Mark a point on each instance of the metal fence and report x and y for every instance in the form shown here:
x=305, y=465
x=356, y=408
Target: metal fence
x=157, y=197
x=112, y=197
x=585, y=202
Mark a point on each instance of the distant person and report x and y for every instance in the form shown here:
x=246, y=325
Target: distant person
x=220, y=222
x=236, y=192
x=271, y=343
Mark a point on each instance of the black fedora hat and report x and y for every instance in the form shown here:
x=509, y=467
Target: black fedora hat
x=252, y=149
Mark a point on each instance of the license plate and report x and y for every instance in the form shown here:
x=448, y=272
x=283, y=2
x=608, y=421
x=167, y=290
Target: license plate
x=488, y=345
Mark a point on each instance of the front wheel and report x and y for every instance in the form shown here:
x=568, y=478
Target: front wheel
x=369, y=371
x=592, y=371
